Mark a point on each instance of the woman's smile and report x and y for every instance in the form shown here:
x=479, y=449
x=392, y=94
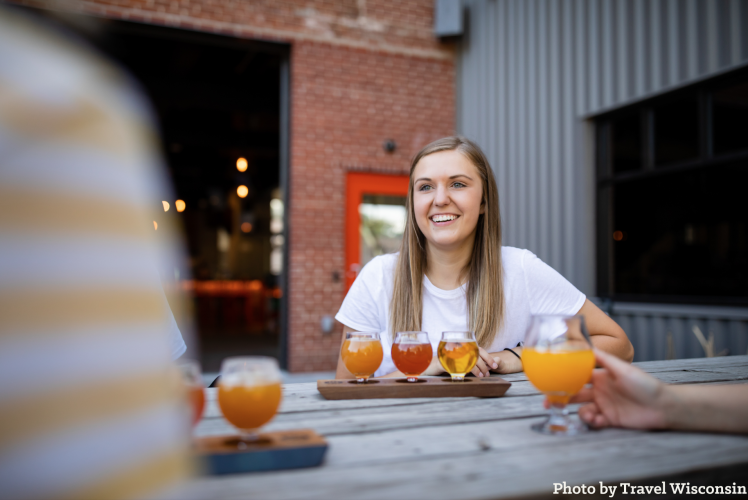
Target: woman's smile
x=440, y=220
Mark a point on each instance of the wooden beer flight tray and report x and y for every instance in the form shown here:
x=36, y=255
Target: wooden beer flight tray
x=432, y=387
x=273, y=451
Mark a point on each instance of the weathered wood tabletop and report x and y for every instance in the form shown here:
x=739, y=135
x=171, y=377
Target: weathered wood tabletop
x=471, y=448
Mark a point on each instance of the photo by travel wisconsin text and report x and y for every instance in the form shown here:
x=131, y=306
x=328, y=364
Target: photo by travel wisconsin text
x=629, y=489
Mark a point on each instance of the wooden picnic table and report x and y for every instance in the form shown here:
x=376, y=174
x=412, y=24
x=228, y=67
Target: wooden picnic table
x=471, y=448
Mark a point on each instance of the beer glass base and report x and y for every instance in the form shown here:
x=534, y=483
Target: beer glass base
x=458, y=378
x=559, y=423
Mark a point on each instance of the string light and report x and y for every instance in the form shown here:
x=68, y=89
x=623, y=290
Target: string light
x=155, y=225
x=166, y=206
x=241, y=164
x=246, y=227
x=242, y=191
x=180, y=205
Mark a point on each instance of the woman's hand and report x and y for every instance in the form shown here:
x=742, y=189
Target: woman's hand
x=508, y=362
x=485, y=364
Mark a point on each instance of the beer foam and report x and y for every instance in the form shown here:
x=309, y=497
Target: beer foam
x=248, y=379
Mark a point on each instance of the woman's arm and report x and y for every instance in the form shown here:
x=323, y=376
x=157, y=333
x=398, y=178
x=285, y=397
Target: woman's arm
x=605, y=333
x=624, y=396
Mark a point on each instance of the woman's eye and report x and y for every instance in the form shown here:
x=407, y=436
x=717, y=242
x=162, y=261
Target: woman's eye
x=458, y=185
x=425, y=187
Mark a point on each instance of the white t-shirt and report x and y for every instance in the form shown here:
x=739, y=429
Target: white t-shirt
x=530, y=287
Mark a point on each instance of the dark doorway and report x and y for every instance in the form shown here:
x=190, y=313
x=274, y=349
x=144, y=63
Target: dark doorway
x=222, y=105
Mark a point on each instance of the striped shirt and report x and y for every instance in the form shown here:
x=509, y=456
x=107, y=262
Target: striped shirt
x=89, y=405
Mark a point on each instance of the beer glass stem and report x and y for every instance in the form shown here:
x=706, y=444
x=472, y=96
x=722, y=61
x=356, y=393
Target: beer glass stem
x=248, y=435
x=412, y=379
x=458, y=378
x=559, y=422
x=362, y=380
x=558, y=417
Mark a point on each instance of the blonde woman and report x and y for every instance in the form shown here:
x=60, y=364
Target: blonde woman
x=453, y=274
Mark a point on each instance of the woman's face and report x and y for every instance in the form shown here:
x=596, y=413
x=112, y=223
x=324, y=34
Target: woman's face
x=447, y=198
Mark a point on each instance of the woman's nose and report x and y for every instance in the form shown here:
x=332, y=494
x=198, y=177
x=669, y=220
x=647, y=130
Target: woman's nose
x=442, y=197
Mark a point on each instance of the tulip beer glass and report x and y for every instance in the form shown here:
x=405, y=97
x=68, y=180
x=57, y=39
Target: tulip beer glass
x=193, y=383
x=458, y=353
x=412, y=353
x=362, y=354
x=557, y=358
x=249, y=393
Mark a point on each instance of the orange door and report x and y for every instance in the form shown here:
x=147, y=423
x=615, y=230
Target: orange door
x=359, y=187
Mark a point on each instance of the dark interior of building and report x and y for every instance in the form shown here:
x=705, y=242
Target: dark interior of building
x=217, y=101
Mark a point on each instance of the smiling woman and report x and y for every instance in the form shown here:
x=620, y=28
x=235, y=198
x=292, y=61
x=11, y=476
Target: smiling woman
x=452, y=273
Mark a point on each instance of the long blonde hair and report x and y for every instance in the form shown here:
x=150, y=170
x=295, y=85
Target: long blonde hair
x=485, y=291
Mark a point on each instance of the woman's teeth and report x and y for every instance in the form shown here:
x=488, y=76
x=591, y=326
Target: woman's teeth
x=443, y=218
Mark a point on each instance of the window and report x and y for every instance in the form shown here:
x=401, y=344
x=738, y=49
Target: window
x=672, y=196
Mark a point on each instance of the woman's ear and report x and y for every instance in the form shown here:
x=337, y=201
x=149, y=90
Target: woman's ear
x=482, y=207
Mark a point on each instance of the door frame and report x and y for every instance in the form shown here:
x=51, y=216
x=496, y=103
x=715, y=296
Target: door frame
x=359, y=184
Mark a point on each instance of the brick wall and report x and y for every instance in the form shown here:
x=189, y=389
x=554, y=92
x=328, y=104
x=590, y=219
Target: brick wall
x=346, y=102
x=362, y=71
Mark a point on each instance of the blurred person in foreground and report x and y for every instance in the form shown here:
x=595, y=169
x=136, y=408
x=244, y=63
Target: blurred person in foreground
x=90, y=406
x=622, y=395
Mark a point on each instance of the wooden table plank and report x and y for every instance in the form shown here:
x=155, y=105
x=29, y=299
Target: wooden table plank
x=519, y=470
x=473, y=448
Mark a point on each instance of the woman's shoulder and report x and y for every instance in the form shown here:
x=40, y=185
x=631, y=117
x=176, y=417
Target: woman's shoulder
x=513, y=258
x=380, y=268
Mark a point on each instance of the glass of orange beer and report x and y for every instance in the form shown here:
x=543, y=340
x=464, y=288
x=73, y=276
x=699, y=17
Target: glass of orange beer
x=362, y=354
x=195, y=391
x=412, y=353
x=458, y=353
x=249, y=393
x=557, y=358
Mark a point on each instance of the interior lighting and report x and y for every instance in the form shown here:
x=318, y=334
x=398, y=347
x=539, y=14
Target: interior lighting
x=618, y=235
x=166, y=206
x=242, y=191
x=241, y=164
x=155, y=225
x=246, y=227
x=180, y=205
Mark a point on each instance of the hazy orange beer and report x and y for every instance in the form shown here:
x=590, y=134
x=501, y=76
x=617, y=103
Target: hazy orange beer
x=196, y=396
x=362, y=354
x=193, y=386
x=249, y=407
x=458, y=353
x=249, y=393
x=412, y=353
x=559, y=373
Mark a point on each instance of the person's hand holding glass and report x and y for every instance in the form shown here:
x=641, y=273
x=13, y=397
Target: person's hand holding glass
x=558, y=360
